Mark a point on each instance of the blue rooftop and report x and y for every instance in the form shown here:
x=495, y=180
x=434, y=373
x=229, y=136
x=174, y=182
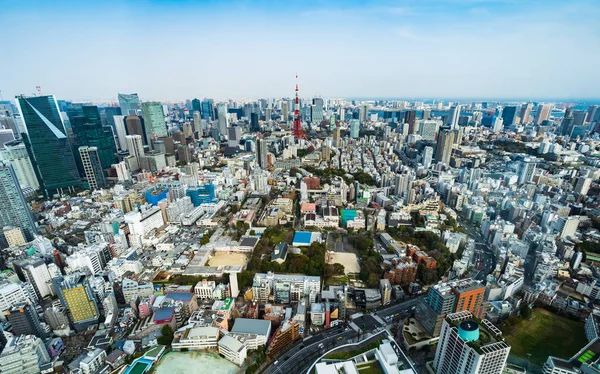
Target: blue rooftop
x=180, y=296
x=162, y=314
x=302, y=237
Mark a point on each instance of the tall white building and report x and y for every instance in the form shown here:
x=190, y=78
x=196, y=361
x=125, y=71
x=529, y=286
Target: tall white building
x=542, y=113
x=427, y=156
x=122, y=172
x=223, y=120
x=453, y=116
x=92, y=167
x=469, y=347
x=429, y=129
x=121, y=132
x=16, y=155
x=354, y=128
x=526, y=170
x=583, y=185
x=135, y=146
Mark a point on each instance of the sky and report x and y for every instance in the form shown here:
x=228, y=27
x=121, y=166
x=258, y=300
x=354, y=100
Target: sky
x=176, y=50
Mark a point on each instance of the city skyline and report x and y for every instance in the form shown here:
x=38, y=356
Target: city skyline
x=175, y=50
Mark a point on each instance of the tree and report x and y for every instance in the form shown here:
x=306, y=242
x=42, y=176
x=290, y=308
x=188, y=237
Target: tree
x=205, y=239
x=526, y=311
x=167, y=335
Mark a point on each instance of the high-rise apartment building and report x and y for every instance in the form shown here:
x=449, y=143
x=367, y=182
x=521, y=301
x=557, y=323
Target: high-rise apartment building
x=427, y=156
x=92, y=168
x=130, y=104
x=14, y=209
x=443, y=152
x=47, y=144
x=154, y=119
x=526, y=170
x=467, y=346
x=428, y=129
x=542, y=113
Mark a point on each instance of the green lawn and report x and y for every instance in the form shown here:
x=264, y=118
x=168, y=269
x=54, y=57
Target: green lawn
x=369, y=368
x=547, y=334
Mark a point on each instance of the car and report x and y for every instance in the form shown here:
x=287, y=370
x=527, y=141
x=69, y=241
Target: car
x=340, y=338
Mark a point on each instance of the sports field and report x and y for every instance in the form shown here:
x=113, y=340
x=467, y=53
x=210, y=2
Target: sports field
x=547, y=334
x=226, y=259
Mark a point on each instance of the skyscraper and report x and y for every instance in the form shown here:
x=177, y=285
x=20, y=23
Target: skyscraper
x=509, y=115
x=121, y=131
x=130, y=104
x=14, y=209
x=207, y=110
x=223, y=121
x=234, y=136
x=410, y=117
x=525, y=113
x=354, y=128
x=592, y=113
x=89, y=131
x=542, y=113
x=254, y=122
x=261, y=153
x=469, y=347
x=92, y=167
x=135, y=146
x=453, y=116
x=135, y=126
x=154, y=119
x=47, y=144
x=15, y=154
x=363, y=113
x=196, y=105
x=428, y=129
x=444, y=146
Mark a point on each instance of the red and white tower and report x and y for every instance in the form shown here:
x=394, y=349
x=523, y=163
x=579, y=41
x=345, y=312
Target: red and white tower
x=297, y=126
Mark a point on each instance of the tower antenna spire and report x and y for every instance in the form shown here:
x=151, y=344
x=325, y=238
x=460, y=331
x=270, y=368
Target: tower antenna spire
x=297, y=130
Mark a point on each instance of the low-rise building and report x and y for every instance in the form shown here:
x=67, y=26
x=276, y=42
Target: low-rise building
x=233, y=349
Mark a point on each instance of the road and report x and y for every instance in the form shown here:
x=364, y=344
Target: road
x=484, y=254
x=302, y=354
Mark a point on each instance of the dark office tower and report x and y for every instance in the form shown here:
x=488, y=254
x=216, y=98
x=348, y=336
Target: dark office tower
x=130, y=104
x=135, y=126
x=525, y=113
x=409, y=117
x=261, y=153
x=109, y=113
x=254, y=122
x=207, y=109
x=196, y=105
x=444, y=146
x=24, y=320
x=509, y=115
x=592, y=113
x=14, y=209
x=47, y=144
x=90, y=132
x=579, y=117
x=566, y=125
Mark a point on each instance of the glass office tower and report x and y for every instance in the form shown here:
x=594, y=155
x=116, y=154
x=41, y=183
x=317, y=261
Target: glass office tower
x=14, y=209
x=47, y=144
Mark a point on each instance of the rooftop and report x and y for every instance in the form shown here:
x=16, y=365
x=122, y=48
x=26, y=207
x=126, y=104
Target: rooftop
x=251, y=326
